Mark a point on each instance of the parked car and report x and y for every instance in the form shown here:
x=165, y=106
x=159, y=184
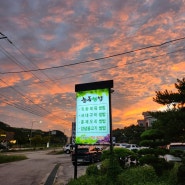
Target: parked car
x=174, y=146
x=132, y=147
x=86, y=155
x=172, y=158
x=120, y=145
x=68, y=148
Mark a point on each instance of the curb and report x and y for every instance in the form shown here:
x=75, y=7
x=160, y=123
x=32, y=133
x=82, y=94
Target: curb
x=51, y=177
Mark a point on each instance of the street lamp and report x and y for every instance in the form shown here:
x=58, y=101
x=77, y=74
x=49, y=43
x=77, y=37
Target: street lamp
x=32, y=128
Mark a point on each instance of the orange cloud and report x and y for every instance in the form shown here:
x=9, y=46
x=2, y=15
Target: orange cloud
x=178, y=67
x=70, y=32
x=132, y=113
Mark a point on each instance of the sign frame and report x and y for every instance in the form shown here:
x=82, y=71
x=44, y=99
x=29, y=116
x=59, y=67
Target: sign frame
x=104, y=87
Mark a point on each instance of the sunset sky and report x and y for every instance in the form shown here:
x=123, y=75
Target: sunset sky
x=48, y=46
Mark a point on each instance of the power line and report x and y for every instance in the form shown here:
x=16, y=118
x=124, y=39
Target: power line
x=5, y=37
x=28, y=109
x=38, y=112
x=97, y=59
x=19, y=107
x=25, y=67
x=29, y=60
x=111, y=67
x=22, y=95
x=127, y=63
x=17, y=62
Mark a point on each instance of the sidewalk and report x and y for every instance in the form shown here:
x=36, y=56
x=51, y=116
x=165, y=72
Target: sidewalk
x=61, y=175
x=62, y=178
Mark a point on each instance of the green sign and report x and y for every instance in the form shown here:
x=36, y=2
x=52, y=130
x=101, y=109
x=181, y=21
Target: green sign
x=92, y=117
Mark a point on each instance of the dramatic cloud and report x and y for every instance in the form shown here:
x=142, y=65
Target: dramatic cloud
x=52, y=46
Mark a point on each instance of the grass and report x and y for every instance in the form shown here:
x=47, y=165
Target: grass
x=11, y=158
x=56, y=152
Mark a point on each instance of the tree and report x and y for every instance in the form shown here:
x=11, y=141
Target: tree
x=171, y=121
x=180, y=86
x=152, y=138
x=118, y=134
x=37, y=140
x=152, y=134
x=168, y=97
x=130, y=134
x=21, y=137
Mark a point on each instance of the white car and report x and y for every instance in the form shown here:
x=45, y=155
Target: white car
x=132, y=147
x=68, y=148
x=172, y=158
x=174, y=146
x=120, y=145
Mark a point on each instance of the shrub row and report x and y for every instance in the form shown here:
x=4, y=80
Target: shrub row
x=11, y=158
x=150, y=169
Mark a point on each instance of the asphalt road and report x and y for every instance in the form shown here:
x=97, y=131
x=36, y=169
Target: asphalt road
x=37, y=168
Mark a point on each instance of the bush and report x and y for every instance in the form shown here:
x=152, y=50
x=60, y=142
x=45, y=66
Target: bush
x=160, y=151
x=139, y=175
x=90, y=180
x=155, y=151
x=104, y=166
x=148, y=159
x=159, y=164
x=121, y=155
x=145, y=151
x=170, y=176
x=181, y=174
x=157, y=171
x=117, y=152
x=92, y=170
x=152, y=143
x=142, y=175
x=110, y=168
x=148, y=143
x=177, y=153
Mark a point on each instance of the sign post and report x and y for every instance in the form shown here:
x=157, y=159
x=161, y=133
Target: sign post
x=93, y=114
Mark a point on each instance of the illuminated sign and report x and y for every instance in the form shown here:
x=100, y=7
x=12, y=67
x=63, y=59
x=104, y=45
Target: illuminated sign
x=93, y=114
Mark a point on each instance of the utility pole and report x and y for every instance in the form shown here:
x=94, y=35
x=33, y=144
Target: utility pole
x=31, y=130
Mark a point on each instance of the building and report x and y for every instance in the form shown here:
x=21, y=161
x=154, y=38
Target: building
x=147, y=121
